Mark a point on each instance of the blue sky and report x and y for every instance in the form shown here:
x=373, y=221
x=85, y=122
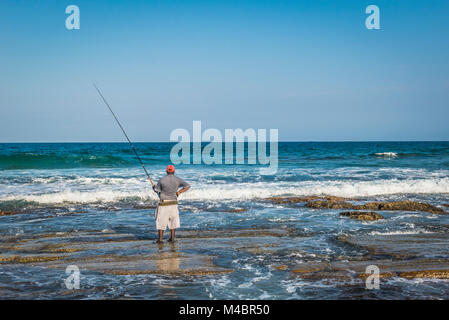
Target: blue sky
x=308, y=68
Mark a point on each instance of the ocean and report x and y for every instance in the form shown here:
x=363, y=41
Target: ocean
x=91, y=205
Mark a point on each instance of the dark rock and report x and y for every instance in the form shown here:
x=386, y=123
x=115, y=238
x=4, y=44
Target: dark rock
x=283, y=200
x=329, y=204
x=402, y=246
x=8, y=213
x=432, y=274
x=362, y=216
x=341, y=203
x=406, y=205
x=345, y=270
x=237, y=210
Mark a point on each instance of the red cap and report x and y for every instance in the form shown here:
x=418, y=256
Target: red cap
x=170, y=168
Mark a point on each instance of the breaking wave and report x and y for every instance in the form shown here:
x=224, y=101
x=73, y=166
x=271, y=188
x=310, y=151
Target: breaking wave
x=386, y=154
x=140, y=191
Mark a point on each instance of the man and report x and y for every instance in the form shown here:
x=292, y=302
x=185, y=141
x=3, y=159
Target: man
x=167, y=214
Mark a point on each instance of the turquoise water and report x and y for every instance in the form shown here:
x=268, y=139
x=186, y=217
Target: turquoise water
x=104, y=181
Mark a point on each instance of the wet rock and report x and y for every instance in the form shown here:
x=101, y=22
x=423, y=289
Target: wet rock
x=291, y=200
x=433, y=274
x=445, y=205
x=347, y=270
x=362, y=216
x=239, y=233
x=266, y=249
x=41, y=248
x=311, y=267
x=281, y=267
x=329, y=204
x=96, y=250
x=237, y=210
x=406, y=205
x=401, y=246
x=169, y=263
x=327, y=277
x=281, y=200
x=382, y=275
x=65, y=250
x=8, y=213
x=174, y=273
x=29, y=259
x=99, y=254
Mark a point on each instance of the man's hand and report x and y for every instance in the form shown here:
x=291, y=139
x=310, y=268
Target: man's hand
x=182, y=190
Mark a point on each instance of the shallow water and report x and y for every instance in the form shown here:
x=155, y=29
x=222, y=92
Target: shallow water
x=100, y=187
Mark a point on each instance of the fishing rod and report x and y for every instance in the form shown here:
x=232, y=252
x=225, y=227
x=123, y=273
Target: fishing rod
x=123, y=130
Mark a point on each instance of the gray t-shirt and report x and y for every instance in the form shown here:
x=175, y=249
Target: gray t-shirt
x=168, y=186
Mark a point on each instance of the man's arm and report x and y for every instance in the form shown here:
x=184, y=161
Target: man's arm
x=184, y=185
x=157, y=188
x=182, y=190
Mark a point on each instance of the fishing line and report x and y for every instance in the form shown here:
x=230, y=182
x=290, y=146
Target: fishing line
x=123, y=130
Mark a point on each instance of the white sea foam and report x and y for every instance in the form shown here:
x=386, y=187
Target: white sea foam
x=68, y=196
x=86, y=180
x=386, y=154
x=398, y=232
x=282, y=219
x=238, y=191
x=338, y=188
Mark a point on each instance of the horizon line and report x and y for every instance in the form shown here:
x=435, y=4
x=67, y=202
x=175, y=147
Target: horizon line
x=60, y=142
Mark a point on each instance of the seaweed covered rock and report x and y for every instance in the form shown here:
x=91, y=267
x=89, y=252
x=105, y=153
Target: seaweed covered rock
x=362, y=215
x=429, y=274
x=237, y=210
x=286, y=200
x=333, y=202
x=406, y=205
x=7, y=213
x=329, y=204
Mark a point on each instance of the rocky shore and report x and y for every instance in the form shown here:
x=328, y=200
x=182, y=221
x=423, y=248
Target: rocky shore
x=331, y=202
x=99, y=251
x=276, y=246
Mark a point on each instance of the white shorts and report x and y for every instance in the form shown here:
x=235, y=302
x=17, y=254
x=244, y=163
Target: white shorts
x=167, y=216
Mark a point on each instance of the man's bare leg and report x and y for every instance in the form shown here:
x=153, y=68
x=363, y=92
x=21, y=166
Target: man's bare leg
x=161, y=234
x=172, y=235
